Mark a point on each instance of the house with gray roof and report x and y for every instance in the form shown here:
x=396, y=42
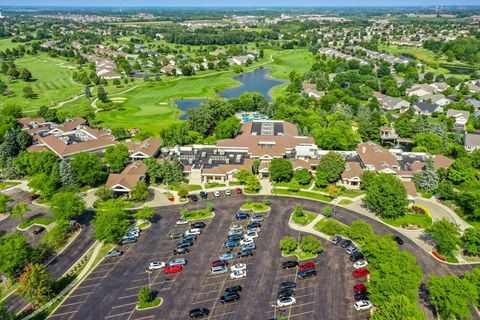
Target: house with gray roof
x=472, y=141
x=425, y=108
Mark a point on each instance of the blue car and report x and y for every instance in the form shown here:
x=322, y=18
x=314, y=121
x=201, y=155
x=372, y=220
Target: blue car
x=242, y=216
x=230, y=244
x=203, y=195
x=226, y=256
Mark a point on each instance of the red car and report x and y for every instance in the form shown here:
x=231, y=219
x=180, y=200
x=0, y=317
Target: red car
x=173, y=269
x=362, y=272
x=238, y=191
x=306, y=266
x=359, y=288
x=218, y=263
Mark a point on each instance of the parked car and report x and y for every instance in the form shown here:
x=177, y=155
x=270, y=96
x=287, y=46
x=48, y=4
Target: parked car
x=356, y=256
x=359, y=288
x=156, y=265
x=198, y=225
x=287, y=285
x=128, y=241
x=228, y=192
x=351, y=249
x=306, y=266
x=361, y=296
x=175, y=234
x=181, y=222
x=181, y=251
x=226, y=256
x=236, y=226
x=398, y=240
x=246, y=242
x=184, y=244
x=289, y=264
x=191, y=237
x=203, y=195
x=177, y=261
x=216, y=194
x=129, y=236
x=238, y=191
x=250, y=235
x=249, y=246
x=199, y=312
x=230, y=244
x=245, y=253
x=217, y=270
x=238, y=274
x=238, y=266
x=232, y=289
x=113, y=253
x=252, y=225
x=229, y=297
x=345, y=243
x=196, y=231
x=235, y=237
x=362, y=305
x=359, y=273
x=286, y=301
x=217, y=263
x=302, y=274
x=134, y=229
x=285, y=293
x=234, y=232
x=38, y=230
x=254, y=229
x=241, y=216
x=336, y=239
x=193, y=197
x=360, y=264
x=173, y=269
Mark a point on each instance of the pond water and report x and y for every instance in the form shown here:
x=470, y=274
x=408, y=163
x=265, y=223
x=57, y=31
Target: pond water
x=255, y=81
x=458, y=70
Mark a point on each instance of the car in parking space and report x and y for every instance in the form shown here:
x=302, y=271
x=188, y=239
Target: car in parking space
x=175, y=234
x=228, y=192
x=258, y=218
x=38, y=230
x=217, y=263
x=254, y=229
x=242, y=215
x=253, y=225
x=302, y=274
x=113, y=253
x=156, y=265
x=235, y=232
x=360, y=264
x=173, y=269
x=134, y=229
x=181, y=222
x=226, y=256
x=193, y=197
x=359, y=273
x=336, y=239
x=181, y=251
x=235, y=237
x=238, y=191
x=238, y=267
x=229, y=297
x=128, y=241
x=245, y=253
x=230, y=244
x=362, y=305
x=216, y=193
x=285, y=293
x=356, y=256
x=198, y=225
x=250, y=235
x=398, y=240
x=236, y=226
x=306, y=266
x=351, y=249
x=287, y=285
x=191, y=237
x=215, y=271
x=199, y=312
x=203, y=195
x=246, y=242
x=360, y=287
x=190, y=231
x=232, y=289
x=286, y=301
x=177, y=261
x=129, y=236
x=345, y=243
x=289, y=264
x=239, y=274
x=246, y=247
x=361, y=296
x=184, y=244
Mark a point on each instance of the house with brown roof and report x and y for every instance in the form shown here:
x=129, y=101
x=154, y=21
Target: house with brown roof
x=127, y=180
x=376, y=158
x=351, y=175
x=147, y=148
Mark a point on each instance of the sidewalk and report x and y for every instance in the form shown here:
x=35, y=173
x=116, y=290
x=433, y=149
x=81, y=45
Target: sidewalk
x=440, y=211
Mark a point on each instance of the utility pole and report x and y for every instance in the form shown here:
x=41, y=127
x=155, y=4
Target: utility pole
x=149, y=281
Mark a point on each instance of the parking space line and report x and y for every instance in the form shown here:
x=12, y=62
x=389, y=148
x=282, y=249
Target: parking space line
x=221, y=315
x=62, y=314
x=301, y=305
x=300, y=314
x=81, y=294
x=90, y=285
x=129, y=296
x=70, y=304
x=202, y=301
x=117, y=315
x=125, y=305
x=98, y=277
x=143, y=318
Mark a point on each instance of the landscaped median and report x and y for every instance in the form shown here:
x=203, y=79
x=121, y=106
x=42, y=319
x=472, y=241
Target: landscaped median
x=147, y=299
x=256, y=207
x=308, y=248
x=302, y=217
x=198, y=214
x=302, y=194
x=418, y=217
x=43, y=221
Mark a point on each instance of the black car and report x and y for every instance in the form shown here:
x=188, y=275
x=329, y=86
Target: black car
x=233, y=289
x=254, y=225
x=190, y=237
x=399, y=240
x=361, y=296
x=198, y=224
x=199, y=312
x=345, y=243
x=287, y=285
x=128, y=241
x=193, y=198
x=289, y=264
x=184, y=244
x=229, y=297
x=356, y=256
x=203, y=195
x=244, y=253
x=285, y=293
x=235, y=237
x=38, y=230
x=306, y=273
x=181, y=251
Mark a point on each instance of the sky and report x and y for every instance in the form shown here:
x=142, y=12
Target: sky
x=243, y=3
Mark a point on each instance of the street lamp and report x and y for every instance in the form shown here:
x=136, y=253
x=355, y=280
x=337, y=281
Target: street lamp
x=149, y=282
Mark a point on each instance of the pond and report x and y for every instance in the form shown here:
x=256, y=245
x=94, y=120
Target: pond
x=458, y=69
x=255, y=81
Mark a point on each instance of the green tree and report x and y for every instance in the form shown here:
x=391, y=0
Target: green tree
x=25, y=74
x=87, y=92
x=303, y=176
x=66, y=174
x=386, y=196
x=19, y=211
x=145, y=213
x=88, y=169
x=101, y=94
x=111, y=221
x=281, y=170
x=140, y=192
x=294, y=186
x=4, y=200
x=360, y=230
x=321, y=179
x=144, y=295
x=461, y=170
x=14, y=252
x=428, y=142
x=288, y=245
x=44, y=184
x=104, y=193
x=28, y=92
x=58, y=235
x=227, y=128
x=332, y=164
x=399, y=307
x=471, y=241
x=427, y=180
x=67, y=205
x=35, y=284
x=116, y=157
x=243, y=175
x=182, y=193
x=446, y=235
x=252, y=184
x=311, y=245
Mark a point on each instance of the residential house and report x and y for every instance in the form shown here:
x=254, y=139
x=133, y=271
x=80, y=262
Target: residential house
x=311, y=91
x=472, y=141
x=425, y=108
x=439, y=86
x=126, y=181
x=421, y=90
x=376, y=158
x=148, y=148
x=437, y=99
x=393, y=103
x=461, y=118
x=351, y=175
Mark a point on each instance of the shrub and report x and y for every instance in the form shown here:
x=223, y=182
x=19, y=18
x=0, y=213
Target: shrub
x=288, y=244
x=144, y=295
x=311, y=245
x=331, y=227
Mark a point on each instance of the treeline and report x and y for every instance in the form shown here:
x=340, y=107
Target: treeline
x=207, y=36
x=466, y=49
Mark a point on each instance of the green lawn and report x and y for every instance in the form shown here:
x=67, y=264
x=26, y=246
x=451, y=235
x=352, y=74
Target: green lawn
x=255, y=206
x=305, y=194
x=44, y=221
x=7, y=184
x=309, y=216
x=197, y=214
x=8, y=44
x=344, y=202
x=214, y=185
x=151, y=304
x=189, y=187
x=300, y=255
x=421, y=221
x=286, y=61
x=331, y=227
x=52, y=82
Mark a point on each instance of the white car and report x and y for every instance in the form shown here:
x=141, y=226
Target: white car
x=363, y=305
x=192, y=231
x=238, y=274
x=286, y=301
x=181, y=222
x=247, y=242
x=238, y=267
x=228, y=192
x=250, y=235
x=156, y=265
x=216, y=193
x=360, y=264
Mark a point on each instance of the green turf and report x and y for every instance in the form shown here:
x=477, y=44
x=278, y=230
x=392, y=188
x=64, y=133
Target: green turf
x=421, y=221
x=303, y=194
x=44, y=221
x=255, y=206
x=8, y=44
x=284, y=62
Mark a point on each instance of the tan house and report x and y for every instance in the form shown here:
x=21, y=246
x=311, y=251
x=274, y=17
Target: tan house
x=126, y=181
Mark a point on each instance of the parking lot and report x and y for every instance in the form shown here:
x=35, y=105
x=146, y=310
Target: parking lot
x=110, y=292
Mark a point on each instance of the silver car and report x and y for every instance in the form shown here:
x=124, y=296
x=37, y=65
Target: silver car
x=177, y=261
